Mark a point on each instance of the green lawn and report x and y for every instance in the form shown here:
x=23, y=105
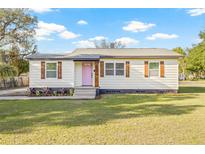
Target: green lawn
x=113, y=119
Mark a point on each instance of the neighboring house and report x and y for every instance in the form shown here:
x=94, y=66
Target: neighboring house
x=107, y=70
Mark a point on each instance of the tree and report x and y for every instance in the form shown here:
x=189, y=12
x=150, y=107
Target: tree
x=202, y=36
x=106, y=44
x=3, y=57
x=18, y=62
x=17, y=31
x=182, y=61
x=196, y=58
x=196, y=61
x=7, y=71
x=17, y=28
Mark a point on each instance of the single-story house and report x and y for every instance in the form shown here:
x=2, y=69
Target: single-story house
x=107, y=70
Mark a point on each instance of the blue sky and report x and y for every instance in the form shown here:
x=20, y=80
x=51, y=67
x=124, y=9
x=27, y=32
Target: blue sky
x=63, y=30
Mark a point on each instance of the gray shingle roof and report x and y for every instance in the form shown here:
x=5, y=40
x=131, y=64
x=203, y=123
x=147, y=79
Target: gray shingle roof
x=127, y=52
x=85, y=57
x=96, y=53
x=47, y=56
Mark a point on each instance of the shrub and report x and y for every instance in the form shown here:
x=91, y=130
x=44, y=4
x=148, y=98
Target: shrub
x=47, y=92
x=55, y=93
x=38, y=93
x=7, y=71
x=31, y=92
x=71, y=91
x=50, y=91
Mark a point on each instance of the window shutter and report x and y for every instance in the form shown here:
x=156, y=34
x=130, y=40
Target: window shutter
x=42, y=70
x=59, y=70
x=162, y=69
x=102, y=69
x=96, y=73
x=146, y=69
x=127, y=69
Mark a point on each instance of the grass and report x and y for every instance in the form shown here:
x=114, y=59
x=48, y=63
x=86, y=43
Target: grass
x=113, y=119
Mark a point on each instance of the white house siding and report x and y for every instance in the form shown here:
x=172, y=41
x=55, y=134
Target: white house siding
x=35, y=75
x=137, y=79
x=78, y=74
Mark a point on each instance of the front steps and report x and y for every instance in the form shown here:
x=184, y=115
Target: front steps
x=89, y=92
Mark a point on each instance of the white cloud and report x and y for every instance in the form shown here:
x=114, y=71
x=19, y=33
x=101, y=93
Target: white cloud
x=137, y=26
x=68, y=35
x=198, y=40
x=196, y=12
x=98, y=38
x=82, y=22
x=126, y=41
x=44, y=31
x=41, y=10
x=52, y=27
x=161, y=36
x=84, y=44
x=40, y=38
x=89, y=43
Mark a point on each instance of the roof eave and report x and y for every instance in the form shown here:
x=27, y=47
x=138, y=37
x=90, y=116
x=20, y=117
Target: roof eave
x=49, y=58
x=142, y=57
x=104, y=57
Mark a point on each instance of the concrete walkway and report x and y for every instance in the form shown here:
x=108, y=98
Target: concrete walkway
x=14, y=92
x=20, y=94
x=45, y=97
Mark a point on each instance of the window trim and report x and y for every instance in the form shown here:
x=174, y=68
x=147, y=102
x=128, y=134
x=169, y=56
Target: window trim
x=114, y=63
x=149, y=69
x=51, y=70
x=109, y=69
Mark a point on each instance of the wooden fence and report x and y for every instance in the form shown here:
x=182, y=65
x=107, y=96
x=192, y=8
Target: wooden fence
x=20, y=81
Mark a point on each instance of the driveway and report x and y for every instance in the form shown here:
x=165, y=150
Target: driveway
x=14, y=92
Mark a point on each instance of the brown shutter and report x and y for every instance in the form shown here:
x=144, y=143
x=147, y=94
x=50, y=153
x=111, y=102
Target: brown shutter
x=102, y=69
x=127, y=69
x=162, y=69
x=146, y=69
x=97, y=74
x=42, y=70
x=59, y=70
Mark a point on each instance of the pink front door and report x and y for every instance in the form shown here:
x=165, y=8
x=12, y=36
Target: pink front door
x=87, y=74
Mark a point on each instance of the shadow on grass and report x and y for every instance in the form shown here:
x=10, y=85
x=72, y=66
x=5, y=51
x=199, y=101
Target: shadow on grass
x=191, y=89
x=23, y=116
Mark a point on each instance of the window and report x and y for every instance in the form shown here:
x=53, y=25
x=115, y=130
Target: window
x=51, y=70
x=109, y=68
x=154, y=69
x=119, y=69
